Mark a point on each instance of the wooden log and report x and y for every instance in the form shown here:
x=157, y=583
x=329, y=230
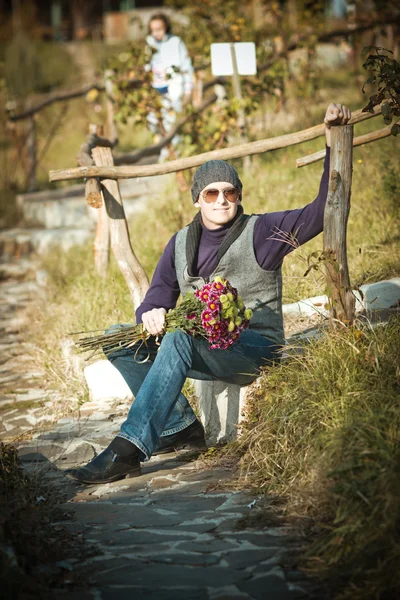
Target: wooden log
x=341, y=298
x=358, y=141
x=257, y=147
x=94, y=138
x=61, y=97
x=93, y=192
x=133, y=272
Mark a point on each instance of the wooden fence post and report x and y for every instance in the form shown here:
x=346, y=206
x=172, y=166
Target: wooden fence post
x=93, y=192
x=101, y=246
x=341, y=297
x=133, y=272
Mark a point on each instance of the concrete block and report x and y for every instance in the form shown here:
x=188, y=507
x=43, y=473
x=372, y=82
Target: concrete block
x=379, y=295
x=221, y=406
x=371, y=296
x=307, y=307
x=105, y=382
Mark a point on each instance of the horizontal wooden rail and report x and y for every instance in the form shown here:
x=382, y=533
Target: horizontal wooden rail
x=239, y=151
x=358, y=141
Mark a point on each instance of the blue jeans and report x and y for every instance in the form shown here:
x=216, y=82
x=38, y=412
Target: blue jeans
x=160, y=408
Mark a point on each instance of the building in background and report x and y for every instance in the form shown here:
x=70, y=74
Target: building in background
x=64, y=20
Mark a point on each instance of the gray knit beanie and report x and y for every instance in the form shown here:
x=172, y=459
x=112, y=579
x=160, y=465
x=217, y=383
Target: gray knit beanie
x=213, y=171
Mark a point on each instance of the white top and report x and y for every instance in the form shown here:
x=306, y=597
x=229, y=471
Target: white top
x=171, y=52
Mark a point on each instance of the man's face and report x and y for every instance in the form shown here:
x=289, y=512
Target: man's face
x=219, y=212
x=157, y=29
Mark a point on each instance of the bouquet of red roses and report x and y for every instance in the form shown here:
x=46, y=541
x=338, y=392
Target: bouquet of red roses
x=215, y=312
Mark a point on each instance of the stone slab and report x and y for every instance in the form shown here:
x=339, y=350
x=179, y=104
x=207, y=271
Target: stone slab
x=188, y=559
x=210, y=545
x=139, y=537
x=261, y=539
x=135, y=516
x=155, y=575
x=268, y=586
x=241, y=559
x=134, y=593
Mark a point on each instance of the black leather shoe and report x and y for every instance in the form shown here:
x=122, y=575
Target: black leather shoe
x=106, y=467
x=190, y=438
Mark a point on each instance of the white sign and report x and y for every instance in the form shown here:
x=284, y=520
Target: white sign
x=221, y=58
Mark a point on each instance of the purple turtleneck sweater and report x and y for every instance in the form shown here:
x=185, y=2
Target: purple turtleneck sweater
x=270, y=250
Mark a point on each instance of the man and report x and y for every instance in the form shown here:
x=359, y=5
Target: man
x=221, y=240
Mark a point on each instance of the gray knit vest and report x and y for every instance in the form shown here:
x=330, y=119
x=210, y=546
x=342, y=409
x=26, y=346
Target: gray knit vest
x=260, y=290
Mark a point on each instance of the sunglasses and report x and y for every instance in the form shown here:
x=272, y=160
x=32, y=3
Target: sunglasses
x=211, y=195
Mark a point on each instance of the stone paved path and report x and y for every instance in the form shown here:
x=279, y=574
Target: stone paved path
x=26, y=402
x=23, y=402
x=169, y=534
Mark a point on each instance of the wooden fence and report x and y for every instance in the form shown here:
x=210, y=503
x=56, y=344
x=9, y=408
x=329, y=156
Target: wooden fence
x=336, y=214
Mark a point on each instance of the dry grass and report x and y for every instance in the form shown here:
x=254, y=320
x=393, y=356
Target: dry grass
x=323, y=434
x=33, y=542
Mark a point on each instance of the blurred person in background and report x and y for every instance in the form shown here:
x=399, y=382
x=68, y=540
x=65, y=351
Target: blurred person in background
x=172, y=74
